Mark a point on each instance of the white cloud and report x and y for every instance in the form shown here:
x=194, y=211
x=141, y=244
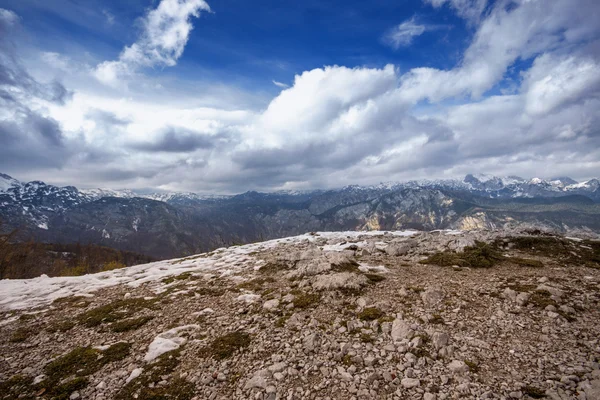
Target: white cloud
x=337, y=125
x=110, y=18
x=403, y=34
x=281, y=84
x=468, y=9
x=8, y=16
x=523, y=31
x=166, y=30
x=554, y=81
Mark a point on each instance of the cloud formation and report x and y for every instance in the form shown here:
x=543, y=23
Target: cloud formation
x=165, y=32
x=403, y=35
x=28, y=136
x=280, y=84
x=471, y=10
x=334, y=125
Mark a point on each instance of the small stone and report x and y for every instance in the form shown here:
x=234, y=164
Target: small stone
x=439, y=339
x=432, y=296
x=278, y=367
x=271, y=305
x=458, y=367
x=410, y=383
x=401, y=330
x=271, y=389
x=258, y=380
x=311, y=342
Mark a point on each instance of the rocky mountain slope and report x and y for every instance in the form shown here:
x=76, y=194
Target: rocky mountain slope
x=346, y=315
x=170, y=225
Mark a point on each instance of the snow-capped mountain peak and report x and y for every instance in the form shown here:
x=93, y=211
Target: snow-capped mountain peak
x=6, y=182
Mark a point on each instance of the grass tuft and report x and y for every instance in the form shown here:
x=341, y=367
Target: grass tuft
x=374, y=278
x=114, y=311
x=225, y=346
x=534, y=392
x=370, y=314
x=305, y=300
x=481, y=255
x=145, y=386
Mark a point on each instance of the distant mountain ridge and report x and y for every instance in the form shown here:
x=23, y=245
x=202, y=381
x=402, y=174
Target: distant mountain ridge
x=171, y=224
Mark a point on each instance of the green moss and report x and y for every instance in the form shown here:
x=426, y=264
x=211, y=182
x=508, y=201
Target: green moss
x=421, y=352
x=424, y=337
x=22, y=334
x=178, y=389
x=473, y=367
x=370, y=314
x=304, y=299
x=272, y=268
x=139, y=388
x=347, y=360
x=386, y=318
x=15, y=387
x=210, y=291
x=81, y=362
x=534, y=392
x=349, y=266
x=116, y=352
x=280, y=323
x=225, y=346
x=541, y=299
x=560, y=249
x=443, y=259
x=62, y=326
x=114, y=311
x=168, y=280
x=366, y=338
x=543, y=245
x=26, y=317
x=436, y=319
x=130, y=324
x=64, y=390
x=567, y=316
x=481, y=255
x=375, y=278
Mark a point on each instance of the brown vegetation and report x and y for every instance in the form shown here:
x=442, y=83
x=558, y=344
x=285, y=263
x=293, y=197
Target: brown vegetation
x=28, y=259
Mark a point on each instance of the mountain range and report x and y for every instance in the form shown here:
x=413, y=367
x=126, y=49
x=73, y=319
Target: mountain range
x=172, y=224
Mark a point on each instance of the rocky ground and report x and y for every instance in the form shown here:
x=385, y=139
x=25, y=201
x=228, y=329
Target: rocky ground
x=437, y=315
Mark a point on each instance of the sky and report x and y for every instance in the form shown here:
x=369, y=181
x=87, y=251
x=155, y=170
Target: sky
x=225, y=96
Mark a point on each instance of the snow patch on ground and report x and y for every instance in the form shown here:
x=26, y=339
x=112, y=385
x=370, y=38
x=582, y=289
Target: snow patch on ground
x=370, y=268
x=134, y=374
x=574, y=239
x=248, y=298
x=167, y=341
x=30, y=293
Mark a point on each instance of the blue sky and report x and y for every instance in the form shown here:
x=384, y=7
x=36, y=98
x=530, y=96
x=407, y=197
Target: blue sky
x=226, y=96
x=256, y=42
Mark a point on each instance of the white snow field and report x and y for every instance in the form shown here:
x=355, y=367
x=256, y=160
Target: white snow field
x=37, y=292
